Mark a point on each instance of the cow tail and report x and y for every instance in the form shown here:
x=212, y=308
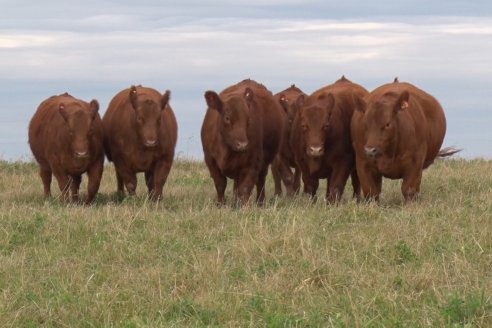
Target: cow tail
x=448, y=151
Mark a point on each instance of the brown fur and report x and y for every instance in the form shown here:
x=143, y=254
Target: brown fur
x=284, y=161
x=66, y=139
x=140, y=133
x=321, y=138
x=241, y=135
x=397, y=131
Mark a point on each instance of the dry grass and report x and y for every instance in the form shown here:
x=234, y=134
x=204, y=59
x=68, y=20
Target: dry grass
x=184, y=262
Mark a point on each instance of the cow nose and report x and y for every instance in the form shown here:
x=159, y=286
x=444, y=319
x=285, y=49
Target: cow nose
x=241, y=145
x=81, y=154
x=371, y=151
x=316, y=151
x=150, y=143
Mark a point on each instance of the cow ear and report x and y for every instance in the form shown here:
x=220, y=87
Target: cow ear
x=165, y=99
x=63, y=111
x=134, y=97
x=327, y=99
x=248, y=95
x=402, y=102
x=284, y=102
x=360, y=103
x=213, y=101
x=300, y=102
x=94, y=108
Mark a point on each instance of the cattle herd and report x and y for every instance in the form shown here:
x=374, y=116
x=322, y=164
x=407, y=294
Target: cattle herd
x=337, y=132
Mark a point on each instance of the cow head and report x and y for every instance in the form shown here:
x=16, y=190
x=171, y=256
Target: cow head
x=235, y=115
x=290, y=108
x=79, y=118
x=381, y=122
x=315, y=119
x=148, y=114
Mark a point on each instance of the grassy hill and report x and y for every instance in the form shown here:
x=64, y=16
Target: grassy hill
x=183, y=262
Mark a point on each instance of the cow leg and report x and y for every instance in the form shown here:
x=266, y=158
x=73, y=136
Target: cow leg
x=246, y=184
x=370, y=182
x=161, y=172
x=260, y=186
x=94, y=180
x=131, y=184
x=74, y=187
x=125, y=177
x=287, y=178
x=220, y=181
x=297, y=180
x=235, y=188
x=149, y=181
x=277, y=176
x=64, y=182
x=337, y=179
x=410, y=186
x=355, y=184
x=120, y=186
x=310, y=185
x=46, y=176
x=129, y=179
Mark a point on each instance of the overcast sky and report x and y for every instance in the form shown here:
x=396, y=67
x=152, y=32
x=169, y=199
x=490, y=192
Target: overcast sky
x=93, y=49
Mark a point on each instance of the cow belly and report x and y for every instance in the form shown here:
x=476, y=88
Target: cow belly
x=232, y=166
x=144, y=164
x=75, y=166
x=389, y=168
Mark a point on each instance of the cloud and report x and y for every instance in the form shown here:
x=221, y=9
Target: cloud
x=206, y=46
x=99, y=49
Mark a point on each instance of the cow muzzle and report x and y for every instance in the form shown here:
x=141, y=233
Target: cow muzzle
x=240, y=145
x=371, y=151
x=317, y=151
x=81, y=154
x=150, y=143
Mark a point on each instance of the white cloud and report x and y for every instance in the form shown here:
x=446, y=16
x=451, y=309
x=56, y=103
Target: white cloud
x=24, y=40
x=192, y=55
x=218, y=47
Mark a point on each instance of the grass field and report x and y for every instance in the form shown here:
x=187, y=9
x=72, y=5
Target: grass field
x=185, y=263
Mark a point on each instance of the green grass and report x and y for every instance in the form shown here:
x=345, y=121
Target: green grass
x=186, y=263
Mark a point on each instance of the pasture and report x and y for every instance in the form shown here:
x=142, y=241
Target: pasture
x=184, y=262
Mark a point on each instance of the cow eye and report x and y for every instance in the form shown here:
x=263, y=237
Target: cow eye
x=387, y=125
x=227, y=120
x=140, y=120
x=326, y=126
x=303, y=127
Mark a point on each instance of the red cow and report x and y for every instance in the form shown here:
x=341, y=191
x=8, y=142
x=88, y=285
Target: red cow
x=66, y=139
x=284, y=161
x=397, y=132
x=140, y=133
x=241, y=134
x=321, y=138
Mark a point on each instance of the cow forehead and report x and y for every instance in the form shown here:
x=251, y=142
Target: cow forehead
x=78, y=111
x=236, y=106
x=381, y=109
x=148, y=108
x=315, y=113
x=148, y=103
